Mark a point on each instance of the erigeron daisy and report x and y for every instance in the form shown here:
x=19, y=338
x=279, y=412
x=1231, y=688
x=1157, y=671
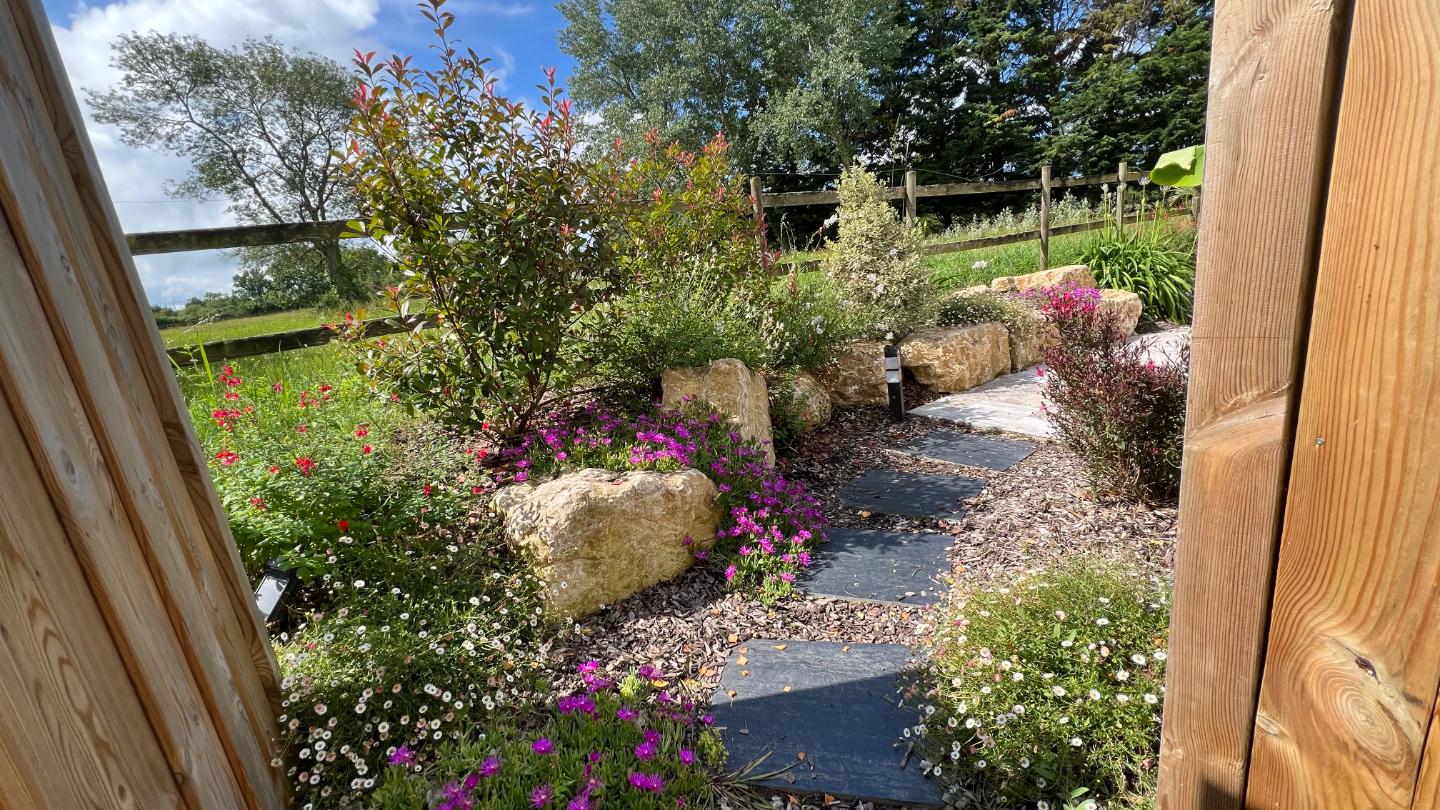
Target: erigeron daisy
x=1122, y=675
x=1094, y=694
x=1057, y=691
x=1075, y=742
x=1138, y=659
x=1151, y=699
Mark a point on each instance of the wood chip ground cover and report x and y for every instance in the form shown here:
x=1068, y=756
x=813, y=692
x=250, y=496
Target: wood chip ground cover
x=1036, y=512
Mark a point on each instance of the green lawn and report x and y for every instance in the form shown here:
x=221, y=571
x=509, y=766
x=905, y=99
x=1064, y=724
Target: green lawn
x=266, y=324
x=971, y=267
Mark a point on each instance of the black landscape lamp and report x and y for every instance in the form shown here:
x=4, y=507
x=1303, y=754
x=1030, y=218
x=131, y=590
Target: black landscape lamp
x=275, y=584
x=892, y=383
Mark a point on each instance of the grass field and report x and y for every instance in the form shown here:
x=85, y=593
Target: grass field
x=266, y=324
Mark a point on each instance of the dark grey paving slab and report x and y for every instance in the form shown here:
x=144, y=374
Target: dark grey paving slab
x=835, y=703
x=972, y=450
x=910, y=494
x=886, y=566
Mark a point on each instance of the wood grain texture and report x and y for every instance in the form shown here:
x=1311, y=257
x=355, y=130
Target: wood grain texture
x=1353, y=660
x=1272, y=89
x=84, y=374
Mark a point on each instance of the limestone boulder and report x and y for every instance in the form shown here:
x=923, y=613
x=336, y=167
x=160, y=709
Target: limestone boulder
x=809, y=401
x=596, y=537
x=730, y=388
x=957, y=358
x=1124, y=305
x=1077, y=275
x=1028, y=339
x=856, y=376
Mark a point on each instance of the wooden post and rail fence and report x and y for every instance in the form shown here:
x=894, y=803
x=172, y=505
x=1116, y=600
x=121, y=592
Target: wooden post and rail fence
x=331, y=232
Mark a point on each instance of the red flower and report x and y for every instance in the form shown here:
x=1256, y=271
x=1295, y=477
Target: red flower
x=227, y=457
x=278, y=387
x=426, y=490
x=305, y=463
x=258, y=502
x=366, y=450
x=476, y=490
x=274, y=469
x=344, y=525
x=301, y=428
x=231, y=395
x=362, y=431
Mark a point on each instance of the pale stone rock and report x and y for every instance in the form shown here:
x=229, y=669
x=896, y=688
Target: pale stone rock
x=957, y=358
x=1124, y=305
x=730, y=388
x=809, y=400
x=596, y=537
x=1073, y=274
x=856, y=376
x=1027, y=340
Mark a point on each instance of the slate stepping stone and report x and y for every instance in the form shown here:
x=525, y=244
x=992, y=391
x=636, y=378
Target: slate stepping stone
x=831, y=701
x=910, y=494
x=885, y=566
x=986, y=452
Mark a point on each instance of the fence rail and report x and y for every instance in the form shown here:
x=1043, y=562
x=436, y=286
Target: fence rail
x=238, y=236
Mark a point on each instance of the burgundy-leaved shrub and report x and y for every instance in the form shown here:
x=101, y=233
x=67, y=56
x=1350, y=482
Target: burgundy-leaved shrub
x=1119, y=411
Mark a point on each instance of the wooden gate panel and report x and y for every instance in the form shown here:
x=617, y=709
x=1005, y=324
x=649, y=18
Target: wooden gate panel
x=1353, y=661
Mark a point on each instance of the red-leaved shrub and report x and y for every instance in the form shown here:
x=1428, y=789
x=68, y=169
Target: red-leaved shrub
x=1117, y=409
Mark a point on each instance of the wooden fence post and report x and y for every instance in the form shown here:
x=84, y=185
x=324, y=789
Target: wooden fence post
x=1120, y=199
x=1044, y=217
x=910, y=200
x=757, y=205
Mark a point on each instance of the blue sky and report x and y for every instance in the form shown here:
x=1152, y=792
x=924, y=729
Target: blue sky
x=519, y=35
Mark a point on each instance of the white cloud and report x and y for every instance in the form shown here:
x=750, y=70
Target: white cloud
x=137, y=178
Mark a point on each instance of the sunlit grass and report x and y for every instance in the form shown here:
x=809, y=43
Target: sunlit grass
x=269, y=323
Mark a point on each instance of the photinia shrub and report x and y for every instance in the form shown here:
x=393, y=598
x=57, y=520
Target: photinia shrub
x=498, y=230
x=771, y=524
x=1119, y=411
x=1049, y=687
x=627, y=744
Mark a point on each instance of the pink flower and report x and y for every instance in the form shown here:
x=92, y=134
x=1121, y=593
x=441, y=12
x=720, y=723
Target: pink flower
x=729, y=573
x=403, y=756
x=542, y=746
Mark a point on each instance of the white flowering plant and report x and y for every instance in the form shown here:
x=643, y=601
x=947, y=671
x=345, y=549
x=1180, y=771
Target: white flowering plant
x=1048, y=689
x=877, y=261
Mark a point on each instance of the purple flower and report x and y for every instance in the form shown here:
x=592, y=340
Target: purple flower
x=542, y=746
x=541, y=796
x=687, y=756
x=403, y=756
x=707, y=719
x=626, y=713
x=729, y=573
x=490, y=766
x=652, y=782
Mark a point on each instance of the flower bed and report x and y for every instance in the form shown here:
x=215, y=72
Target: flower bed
x=1047, y=689
x=771, y=524
x=629, y=745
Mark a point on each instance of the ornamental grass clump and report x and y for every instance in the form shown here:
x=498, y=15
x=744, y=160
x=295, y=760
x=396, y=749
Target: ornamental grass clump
x=877, y=261
x=770, y=524
x=1047, y=691
x=1119, y=411
x=627, y=744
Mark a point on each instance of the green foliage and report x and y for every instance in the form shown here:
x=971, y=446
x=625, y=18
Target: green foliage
x=286, y=277
x=499, y=234
x=310, y=472
x=595, y=743
x=963, y=308
x=1181, y=168
x=876, y=262
x=1153, y=261
x=789, y=84
x=698, y=283
x=1048, y=688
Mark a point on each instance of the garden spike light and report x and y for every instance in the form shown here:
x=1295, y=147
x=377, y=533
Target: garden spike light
x=892, y=383
x=275, y=584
